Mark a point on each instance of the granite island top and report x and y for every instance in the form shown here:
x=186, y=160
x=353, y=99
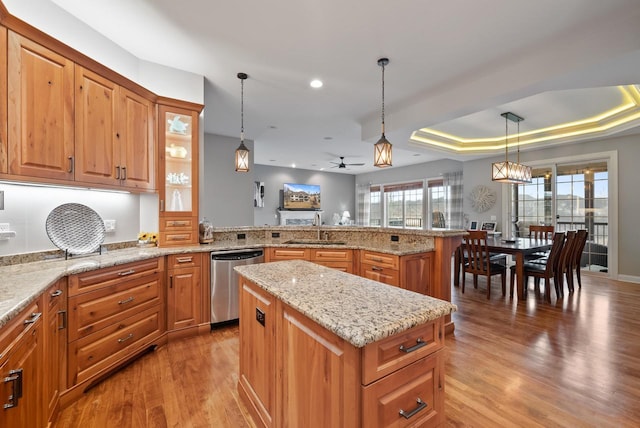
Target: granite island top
x=358, y=310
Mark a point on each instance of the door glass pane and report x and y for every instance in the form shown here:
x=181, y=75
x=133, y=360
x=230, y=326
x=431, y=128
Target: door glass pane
x=413, y=208
x=393, y=208
x=178, y=162
x=535, y=201
x=375, y=212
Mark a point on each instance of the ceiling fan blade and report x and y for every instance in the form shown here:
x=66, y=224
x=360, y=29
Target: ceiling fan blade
x=355, y=164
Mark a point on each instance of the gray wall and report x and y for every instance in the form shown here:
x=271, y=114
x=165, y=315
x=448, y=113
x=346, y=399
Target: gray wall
x=337, y=191
x=226, y=195
x=413, y=172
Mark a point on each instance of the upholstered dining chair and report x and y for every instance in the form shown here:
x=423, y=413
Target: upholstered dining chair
x=543, y=269
x=539, y=232
x=477, y=261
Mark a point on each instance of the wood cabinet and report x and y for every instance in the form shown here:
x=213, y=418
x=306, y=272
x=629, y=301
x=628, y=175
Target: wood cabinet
x=40, y=110
x=114, y=133
x=336, y=258
x=114, y=313
x=274, y=254
x=411, y=272
x=21, y=369
x=178, y=137
x=184, y=293
x=294, y=372
x=4, y=147
x=257, y=351
x=55, y=345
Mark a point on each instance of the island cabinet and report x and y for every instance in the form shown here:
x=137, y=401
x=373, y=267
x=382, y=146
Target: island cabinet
x=185, y=292
x=55, y=345
x=178, y=172
x=21, y=370
x=297, y=372
x=411, y=272
x=114, y=314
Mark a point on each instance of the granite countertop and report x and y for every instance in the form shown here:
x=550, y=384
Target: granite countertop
x=359, y=310
x=22, y=283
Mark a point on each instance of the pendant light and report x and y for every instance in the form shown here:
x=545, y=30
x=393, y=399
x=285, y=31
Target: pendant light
x=382, y=149
x=510, y=172
x=242, y=153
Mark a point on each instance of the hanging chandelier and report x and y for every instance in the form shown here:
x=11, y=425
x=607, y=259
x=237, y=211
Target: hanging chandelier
x=510, y=172
x=382, y=149
x=242, y=153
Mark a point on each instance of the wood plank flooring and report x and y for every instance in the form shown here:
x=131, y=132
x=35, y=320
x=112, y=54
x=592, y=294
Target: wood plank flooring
x=572, y=363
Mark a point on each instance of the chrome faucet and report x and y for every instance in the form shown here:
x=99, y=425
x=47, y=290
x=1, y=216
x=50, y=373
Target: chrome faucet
x=317, y=222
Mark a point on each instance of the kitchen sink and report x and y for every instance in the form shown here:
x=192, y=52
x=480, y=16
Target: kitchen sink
x=314, y=242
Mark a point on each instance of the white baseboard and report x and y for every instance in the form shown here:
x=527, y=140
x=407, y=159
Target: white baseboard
x=629, y=278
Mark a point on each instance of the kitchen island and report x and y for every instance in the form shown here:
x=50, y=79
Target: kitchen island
x=319, y=347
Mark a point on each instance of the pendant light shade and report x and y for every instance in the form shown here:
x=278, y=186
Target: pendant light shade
x=242, y=153
x=382, y=150
x=507, y=171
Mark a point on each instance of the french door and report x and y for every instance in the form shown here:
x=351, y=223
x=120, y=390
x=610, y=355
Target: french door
x=569, y=195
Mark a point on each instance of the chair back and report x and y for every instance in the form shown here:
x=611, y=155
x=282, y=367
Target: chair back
x=581, y=240
x=554, y=255
x=540, y=232
x=438, y=219
x=566, y=256
x=476, y=252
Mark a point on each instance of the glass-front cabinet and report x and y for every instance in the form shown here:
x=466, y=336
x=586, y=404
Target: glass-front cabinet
x=178, y=173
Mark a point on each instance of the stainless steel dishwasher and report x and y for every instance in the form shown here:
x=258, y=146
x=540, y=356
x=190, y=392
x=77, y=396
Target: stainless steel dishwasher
x=224, y=281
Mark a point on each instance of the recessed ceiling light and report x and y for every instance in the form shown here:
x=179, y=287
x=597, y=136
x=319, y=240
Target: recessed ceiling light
x=293, y=165
x=316, y=83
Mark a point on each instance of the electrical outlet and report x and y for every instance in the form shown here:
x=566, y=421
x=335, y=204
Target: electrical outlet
x=109, y=225
x=4, y=227
x=241, y=236
x=395, y=238
x=260, y=316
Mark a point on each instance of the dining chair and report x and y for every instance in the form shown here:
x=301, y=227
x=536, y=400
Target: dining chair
x=539, y=232
x=566, y=261
x=478, y=261
x=542, y=269
x=580, y=241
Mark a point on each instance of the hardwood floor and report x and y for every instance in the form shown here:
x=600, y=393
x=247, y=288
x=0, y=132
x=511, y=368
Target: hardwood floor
x=572, y=363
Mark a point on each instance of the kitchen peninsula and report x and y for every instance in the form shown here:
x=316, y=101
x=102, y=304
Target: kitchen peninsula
x=319, y=347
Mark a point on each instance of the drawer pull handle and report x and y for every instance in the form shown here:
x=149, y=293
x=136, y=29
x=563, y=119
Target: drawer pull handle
x=376, y=259
x=407, y=415
x=56, y=293
x=184, y=259
x=127, y=300
x=64, y=320
x=178, y=238
x=419, y=344
x=128, y=272
x=124, y=339
x=179, y=223
x=33, y=319
x=376, y=268
x=15, y=377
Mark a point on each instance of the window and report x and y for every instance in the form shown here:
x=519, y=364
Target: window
x=437, y=202
x=397, y=205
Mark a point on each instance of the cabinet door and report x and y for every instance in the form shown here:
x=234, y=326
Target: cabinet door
x=97, y=148
x=3, y=96
x=55, y=342
x=380, y=274
x=416, y=273
x=183, y=300
x=137, y=154
x=40, y=110
x=257, y=350
x=21, y=372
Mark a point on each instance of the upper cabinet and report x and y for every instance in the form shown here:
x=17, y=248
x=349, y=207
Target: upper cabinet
x=114, y=133
x=40, y=110
x=68, y=124
x=178, y=173
x=3, y=96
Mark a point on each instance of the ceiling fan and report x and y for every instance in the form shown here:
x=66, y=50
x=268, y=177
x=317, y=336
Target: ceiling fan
x=344, y=165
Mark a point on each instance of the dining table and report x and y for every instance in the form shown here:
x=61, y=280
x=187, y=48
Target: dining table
x=516, y=247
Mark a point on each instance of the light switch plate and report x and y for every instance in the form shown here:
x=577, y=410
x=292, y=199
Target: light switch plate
x=109, y=225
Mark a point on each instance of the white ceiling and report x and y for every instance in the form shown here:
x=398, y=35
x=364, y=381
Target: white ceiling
x=455, y=65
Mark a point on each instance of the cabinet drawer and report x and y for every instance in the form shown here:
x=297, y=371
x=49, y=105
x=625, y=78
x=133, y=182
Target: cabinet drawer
x=276, y=254
x=416, y=390
x=389, y=261
x=89, y=355
x=93, y=280
x=177, y=261
x=332, y=255
x=177, y=238
x=392, y=353
x=90, y=312
x=381, y=274
x=18, y=327
x=341, y=266
x=176, y=224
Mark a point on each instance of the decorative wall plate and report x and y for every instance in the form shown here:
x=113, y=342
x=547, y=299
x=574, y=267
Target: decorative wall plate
x=482, y=198
x=75, y=228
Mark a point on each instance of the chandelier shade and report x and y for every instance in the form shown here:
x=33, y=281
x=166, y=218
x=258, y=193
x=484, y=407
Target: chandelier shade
x=242, y=152
x=506, y=171
x=382, y=150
